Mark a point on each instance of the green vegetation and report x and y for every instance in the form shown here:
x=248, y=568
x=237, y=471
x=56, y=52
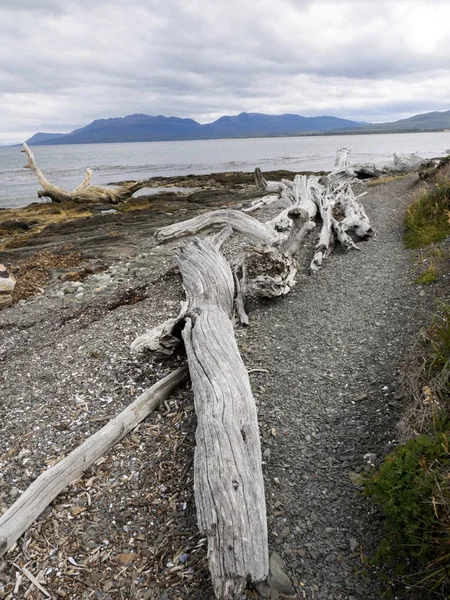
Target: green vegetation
x=428, y=216
x=412, y=486
x=428, y=276
x=405, y=487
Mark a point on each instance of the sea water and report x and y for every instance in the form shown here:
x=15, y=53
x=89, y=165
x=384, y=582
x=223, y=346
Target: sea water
x=65, y=165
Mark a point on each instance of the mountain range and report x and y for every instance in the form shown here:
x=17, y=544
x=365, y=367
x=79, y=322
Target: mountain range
x=146, y=128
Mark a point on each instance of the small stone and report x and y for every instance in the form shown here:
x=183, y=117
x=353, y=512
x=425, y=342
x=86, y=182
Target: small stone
x=7, y=281
x=353, y=544
x=355, y=478
x=125, y=559
x=14, y=492
x=263, y=589
x=80, y=295
x=60, y=294
x=361, y=397
x=5, y=300
x=277, y=579
x=266, y=453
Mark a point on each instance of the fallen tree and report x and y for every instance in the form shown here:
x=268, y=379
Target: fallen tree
x=84, y=192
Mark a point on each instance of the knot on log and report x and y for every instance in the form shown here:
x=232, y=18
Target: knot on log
x=298, y=214
x=270, y=273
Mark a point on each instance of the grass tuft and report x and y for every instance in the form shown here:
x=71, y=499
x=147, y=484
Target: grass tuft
x=386, y=179
x=428, y=276
x=428, y=216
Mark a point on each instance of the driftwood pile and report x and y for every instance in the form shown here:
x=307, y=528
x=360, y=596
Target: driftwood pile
x=229, y=487
x=398, y=165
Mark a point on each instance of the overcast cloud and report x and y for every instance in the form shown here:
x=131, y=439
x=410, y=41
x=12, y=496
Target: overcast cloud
x=64, y=64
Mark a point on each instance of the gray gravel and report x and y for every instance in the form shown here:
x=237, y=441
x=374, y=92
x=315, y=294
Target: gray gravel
x=328, y=403
x=334, y=348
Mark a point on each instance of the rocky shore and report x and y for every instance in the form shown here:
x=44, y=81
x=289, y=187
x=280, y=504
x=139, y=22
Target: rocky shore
x=324, y=364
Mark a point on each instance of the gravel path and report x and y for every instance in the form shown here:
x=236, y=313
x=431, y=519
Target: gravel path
x=328, y=356
x=333, y=349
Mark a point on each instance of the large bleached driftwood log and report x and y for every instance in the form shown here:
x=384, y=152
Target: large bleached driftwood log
x=54, y=480
x=84, y=192
x=228, y=481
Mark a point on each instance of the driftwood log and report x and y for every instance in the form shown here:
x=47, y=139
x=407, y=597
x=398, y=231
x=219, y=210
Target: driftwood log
x=228, y=481
x=399, y=164
x=18, y=518
x=84, y=192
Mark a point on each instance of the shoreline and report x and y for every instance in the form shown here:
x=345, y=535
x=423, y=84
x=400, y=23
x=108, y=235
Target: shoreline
x=20, y=226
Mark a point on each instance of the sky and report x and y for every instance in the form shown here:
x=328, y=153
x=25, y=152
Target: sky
x=64, y=63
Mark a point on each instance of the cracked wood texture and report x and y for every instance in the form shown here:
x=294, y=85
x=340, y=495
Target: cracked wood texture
x=228, y=481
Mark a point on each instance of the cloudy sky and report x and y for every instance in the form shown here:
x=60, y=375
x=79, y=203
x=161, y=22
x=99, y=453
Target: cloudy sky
x=64, y=63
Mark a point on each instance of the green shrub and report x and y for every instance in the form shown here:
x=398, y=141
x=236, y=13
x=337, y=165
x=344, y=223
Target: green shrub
x=405, y=487
x=438, y=362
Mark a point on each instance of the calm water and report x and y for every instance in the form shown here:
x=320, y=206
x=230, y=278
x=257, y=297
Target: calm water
x=65, y=165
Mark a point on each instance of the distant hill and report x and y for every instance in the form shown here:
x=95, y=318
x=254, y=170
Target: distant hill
x=432, y=121
x=259, y=125
x=40, y=137
x=146, y=128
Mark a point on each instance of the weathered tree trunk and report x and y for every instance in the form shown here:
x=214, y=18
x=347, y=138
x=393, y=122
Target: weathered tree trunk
x=270, y=187
x=84, y=192
x=255, y=230
x=341, y=161
x=326, y=238
x=51, y=482
x=228, y=481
